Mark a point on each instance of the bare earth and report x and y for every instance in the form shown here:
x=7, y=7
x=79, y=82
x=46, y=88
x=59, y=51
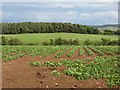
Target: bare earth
x=19, y=74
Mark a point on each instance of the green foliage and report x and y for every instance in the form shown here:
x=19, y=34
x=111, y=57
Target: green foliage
x=46, y=43
x=65, y=42
x=81, y=51
x=87, y=42
x=10, y=58
x=75, y=42
x=117, y=32
x=51, y=42
x=14, y=41
x=31, y=43
x=40, y=38
x=108, y=32
x=89, y=51
x=4, y=40
x=36, y=63
x=43, y=51
x=97, y=50
x=111, y=50
x=114, y=42
x=61, y=53
x=119, y=41
x=72, y=52
x=70, y=42
x=99, y=68
x=58, y=41
x=96, y=43
x=52, y=64
x=55, y=73
x=105, y=41
x=14, y=52
x=46, y=27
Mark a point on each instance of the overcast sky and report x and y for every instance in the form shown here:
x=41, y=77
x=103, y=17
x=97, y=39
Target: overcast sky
x=89, y=13
x=60, y=0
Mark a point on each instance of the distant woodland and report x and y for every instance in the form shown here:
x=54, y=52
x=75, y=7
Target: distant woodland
x=44, y=27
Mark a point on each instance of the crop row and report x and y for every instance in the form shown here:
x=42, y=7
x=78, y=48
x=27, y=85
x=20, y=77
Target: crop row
x=112, y=49
x=14, y=52
x=72, y=52
x=81, y=51
x=62, y=52
x=97, y=50
x=89, y=51
x=100, y=67
x=105, y=50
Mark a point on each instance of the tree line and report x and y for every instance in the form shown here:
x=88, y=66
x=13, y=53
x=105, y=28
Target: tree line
x=52, y=27
x=62, y=41
x=45, y=27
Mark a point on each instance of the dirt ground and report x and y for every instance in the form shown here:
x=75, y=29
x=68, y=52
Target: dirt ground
x=19, y=74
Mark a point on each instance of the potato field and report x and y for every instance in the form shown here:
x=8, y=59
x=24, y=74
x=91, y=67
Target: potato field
x=61, y=66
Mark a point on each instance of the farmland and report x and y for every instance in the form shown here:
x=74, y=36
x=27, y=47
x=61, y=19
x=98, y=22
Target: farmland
x=39, y=38
x=37, y=66
x=60, y=45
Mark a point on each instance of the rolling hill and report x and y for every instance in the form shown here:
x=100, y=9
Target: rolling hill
x=113, y=27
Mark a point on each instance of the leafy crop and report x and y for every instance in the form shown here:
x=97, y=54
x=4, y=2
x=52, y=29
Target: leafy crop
x=105, y=50
x=98, y=51
x=52, y=64
x=81, y=52
x=100, y=67
x=61, y=53
x=15, y=52
x=72, y=52
x=55, y=73
x=89, y=51
x=34, y=63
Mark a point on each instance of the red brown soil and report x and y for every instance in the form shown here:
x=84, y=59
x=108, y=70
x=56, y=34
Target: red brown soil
x=75, y=55
x=19, y=74
x=87, y=56
x=64, y=56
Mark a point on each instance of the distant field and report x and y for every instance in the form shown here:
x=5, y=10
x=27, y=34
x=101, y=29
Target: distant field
x=39, y=38
x=112, y=27
x=108, y=28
